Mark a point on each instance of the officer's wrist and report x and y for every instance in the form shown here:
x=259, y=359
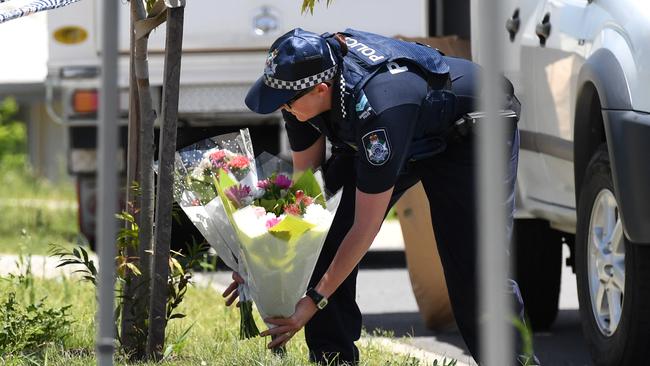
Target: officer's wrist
x=317, y=298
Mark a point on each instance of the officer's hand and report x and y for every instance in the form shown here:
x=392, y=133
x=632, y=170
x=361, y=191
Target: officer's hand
x=232, y=289
x=286, y=328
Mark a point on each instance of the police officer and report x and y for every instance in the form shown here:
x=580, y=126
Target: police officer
x=388, y=107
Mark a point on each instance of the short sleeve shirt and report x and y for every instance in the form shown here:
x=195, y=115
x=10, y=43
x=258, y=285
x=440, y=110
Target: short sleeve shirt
x=387, y=110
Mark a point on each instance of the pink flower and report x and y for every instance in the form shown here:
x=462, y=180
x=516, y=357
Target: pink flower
x=237, y=193
x=282, y=181
x=292, y=209
x=272, y=222
x=259, y=211
x=217, y=159
x=264, y=184
x=301, y=197
x=239, y=162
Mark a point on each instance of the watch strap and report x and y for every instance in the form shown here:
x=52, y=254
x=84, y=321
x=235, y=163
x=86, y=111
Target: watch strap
x=318, y=299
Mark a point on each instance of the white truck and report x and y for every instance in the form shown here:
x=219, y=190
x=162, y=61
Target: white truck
x=224, y=48
x=580, y=69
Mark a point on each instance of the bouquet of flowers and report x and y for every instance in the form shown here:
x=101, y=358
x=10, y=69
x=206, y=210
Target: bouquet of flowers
x=197, y=168
x=264, y=223
x=281, y=224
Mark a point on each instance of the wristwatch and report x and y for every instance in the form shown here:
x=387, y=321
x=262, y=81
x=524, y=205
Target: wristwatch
x=318, y=299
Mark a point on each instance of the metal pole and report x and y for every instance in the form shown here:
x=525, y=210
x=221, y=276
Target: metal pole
x=107, y=184
x=440, y=18
x=496, y=342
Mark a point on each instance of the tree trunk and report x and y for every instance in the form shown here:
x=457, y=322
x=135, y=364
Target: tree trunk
x=146, y=178
x=165, y=196
x=132, y=325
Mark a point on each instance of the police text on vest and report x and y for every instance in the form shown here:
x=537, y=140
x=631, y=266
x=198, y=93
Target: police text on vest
x=353, y=44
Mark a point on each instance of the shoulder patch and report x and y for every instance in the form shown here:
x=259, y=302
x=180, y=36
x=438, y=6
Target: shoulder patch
x=363, y=108
x=377, y=147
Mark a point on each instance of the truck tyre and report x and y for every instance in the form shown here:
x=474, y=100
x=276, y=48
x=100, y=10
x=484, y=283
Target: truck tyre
x=613, y=274
x=423, y=261
x=538, y=270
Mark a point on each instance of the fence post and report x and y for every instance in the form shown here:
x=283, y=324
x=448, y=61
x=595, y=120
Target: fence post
x=107, y=184
x=496, y=342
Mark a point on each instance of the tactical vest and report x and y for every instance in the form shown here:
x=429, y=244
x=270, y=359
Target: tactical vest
x=368, y=54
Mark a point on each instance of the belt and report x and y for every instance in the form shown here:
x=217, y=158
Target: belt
x=462, y=129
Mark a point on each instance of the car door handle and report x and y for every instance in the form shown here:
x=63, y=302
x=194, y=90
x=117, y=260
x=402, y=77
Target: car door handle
x=512, y=25
x=543, y=29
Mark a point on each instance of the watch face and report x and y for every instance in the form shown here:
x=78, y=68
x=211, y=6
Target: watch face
x=318, y=299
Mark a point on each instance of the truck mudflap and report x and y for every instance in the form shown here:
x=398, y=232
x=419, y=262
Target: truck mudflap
x=628, y=140
x=86, y=185
x=87, y=198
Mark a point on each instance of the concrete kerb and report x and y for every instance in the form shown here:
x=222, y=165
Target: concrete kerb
x=39, y=265
x=426, y=357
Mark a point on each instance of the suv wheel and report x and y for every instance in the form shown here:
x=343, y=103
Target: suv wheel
x=539, y=268
x=613, y=274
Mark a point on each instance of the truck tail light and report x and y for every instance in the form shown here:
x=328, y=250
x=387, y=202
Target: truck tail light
x=84, y=101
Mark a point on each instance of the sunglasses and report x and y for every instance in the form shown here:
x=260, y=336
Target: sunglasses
x=300, y=94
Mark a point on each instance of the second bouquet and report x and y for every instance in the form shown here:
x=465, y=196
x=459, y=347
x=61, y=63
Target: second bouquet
x=281, y=223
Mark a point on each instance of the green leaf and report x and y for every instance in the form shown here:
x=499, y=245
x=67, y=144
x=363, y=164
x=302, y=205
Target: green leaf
x=223, y=182
x=177, y=316
x=268, y=205
x=84, y=253
x=134, y=269
x=291, y=227
x=173, y=263
x=309, y=5
x=306, y=182
x=168, y=351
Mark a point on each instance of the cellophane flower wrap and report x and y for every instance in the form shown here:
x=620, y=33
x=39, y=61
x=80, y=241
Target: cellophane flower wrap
x=197, y=168
x=281, y=224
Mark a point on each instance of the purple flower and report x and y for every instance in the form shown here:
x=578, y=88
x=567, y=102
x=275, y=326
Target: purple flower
x=237, y=193
x=282, y=181
x=263, y=184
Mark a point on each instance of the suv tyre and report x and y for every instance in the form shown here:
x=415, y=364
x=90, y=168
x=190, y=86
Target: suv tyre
x=613, y=274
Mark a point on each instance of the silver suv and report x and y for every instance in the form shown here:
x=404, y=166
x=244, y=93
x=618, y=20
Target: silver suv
x=582, y=71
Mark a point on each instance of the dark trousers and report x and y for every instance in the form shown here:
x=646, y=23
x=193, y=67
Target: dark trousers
x=449, y=183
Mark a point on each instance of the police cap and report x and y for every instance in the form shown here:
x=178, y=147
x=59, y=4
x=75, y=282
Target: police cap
x=296, y=61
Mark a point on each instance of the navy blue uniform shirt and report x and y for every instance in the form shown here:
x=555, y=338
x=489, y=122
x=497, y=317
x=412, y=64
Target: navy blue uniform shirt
x=387, y=113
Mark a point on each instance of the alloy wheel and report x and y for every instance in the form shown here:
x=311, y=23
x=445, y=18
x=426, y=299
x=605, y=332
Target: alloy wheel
x=606, y=262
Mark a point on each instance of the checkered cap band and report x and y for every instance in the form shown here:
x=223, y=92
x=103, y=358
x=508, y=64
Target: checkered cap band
x=303, y=83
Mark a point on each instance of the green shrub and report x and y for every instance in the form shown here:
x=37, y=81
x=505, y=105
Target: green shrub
x=13, y=136
x=27, y=329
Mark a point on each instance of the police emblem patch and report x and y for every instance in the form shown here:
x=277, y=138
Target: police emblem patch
x=376, y=146
x=270, y=64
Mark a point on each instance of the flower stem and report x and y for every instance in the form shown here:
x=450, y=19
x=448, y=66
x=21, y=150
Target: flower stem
x=247, y=326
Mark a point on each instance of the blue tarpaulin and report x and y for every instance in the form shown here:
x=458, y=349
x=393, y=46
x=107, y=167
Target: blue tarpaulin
x=9, y=12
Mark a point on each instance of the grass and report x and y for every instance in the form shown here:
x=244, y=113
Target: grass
x=22, y=183
x=30, y=220
x=212, y=338
x=32, y=229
